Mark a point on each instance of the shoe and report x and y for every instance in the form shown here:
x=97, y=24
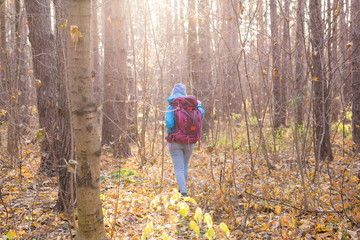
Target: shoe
x=184, y=194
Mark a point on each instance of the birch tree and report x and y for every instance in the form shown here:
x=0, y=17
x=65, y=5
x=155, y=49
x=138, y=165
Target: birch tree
x=84, y=116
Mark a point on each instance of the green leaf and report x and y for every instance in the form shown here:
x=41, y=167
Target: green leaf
x=210, y=233
x=208, y=220
x=195, y=227
x=198, y=215
x=225, y=229
x=40, y=135
x=10, y=234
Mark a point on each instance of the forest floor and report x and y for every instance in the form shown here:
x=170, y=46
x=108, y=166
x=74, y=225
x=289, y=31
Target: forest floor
x=231, y=196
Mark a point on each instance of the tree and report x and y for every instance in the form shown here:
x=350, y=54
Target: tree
x=108, y=127
x=115, y=123
x=201, y=75
x=64, y=145
x=229, y=54
x=299, y=64
x=320, y=86
x=355, y=69
x=95, y=53
x=4, y=54
x=191, y=40
x=121, y=46
x=44, y=61
x=277, y=118
x=345, y=71
x=86, y=129
x=286, y=65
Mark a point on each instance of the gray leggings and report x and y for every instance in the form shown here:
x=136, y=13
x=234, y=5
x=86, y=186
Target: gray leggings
x=180, y=156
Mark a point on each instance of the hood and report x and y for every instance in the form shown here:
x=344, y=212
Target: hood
x=179, y=90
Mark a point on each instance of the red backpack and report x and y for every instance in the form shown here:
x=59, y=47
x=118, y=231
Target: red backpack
x=187, y=118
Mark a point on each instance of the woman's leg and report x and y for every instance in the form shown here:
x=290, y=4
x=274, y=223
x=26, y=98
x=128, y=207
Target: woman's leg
x=187, y=154
x=177, y=157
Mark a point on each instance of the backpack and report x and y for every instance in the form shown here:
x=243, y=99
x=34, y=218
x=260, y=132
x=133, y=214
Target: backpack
x=187, y=118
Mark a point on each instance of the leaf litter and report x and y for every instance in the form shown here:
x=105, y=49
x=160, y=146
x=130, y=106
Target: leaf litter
x=236, y=202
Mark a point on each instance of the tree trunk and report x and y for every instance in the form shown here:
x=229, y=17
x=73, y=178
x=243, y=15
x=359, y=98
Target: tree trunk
x=355, y=68
x=95, y=53
x=345, y=71
x=261, y=81
x=192, y=43
x=286, y=65
x=5, y=73
x=121, y=147
x=320, y=85
x=230, y=56
x=44, y=62
x=203, y=83
x=277, y=120
x=64, y=140
x=335, y=80
x=299, y=64
x=108, y=127
x=86, y=129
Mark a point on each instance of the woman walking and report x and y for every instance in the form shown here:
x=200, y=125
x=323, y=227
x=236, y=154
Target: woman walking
x=181, y=139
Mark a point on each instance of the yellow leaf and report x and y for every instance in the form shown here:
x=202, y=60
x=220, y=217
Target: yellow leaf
x=225, y=229
x=210, y=233
x=307, y=101
x=11, y=234
x=357, y=126
x=355, y=179
x=316, y=79
x=38, y=82
x=195, y=227
x=200, y=52
x=196, y=19
x=208, y=220
x=148, y=229
x=321, y=228
x=109, y=19
x=2, y=112
x=278, y=209
x=350, y=44
x=31, y=72
x=277, y=191
x=165, y=236
x=174, y=198
x=183, y=208
x=63, y=25
x=75, y=34
x=198, y=215
x=189, y=199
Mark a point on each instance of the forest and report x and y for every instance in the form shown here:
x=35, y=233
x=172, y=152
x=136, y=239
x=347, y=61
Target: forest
x=83, y=98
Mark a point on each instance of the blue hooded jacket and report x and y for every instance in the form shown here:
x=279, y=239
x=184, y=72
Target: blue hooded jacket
x=178, y=91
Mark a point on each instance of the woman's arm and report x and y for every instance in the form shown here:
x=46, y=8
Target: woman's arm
x=169, y=118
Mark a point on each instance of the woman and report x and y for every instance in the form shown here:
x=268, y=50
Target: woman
x=180, y=153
